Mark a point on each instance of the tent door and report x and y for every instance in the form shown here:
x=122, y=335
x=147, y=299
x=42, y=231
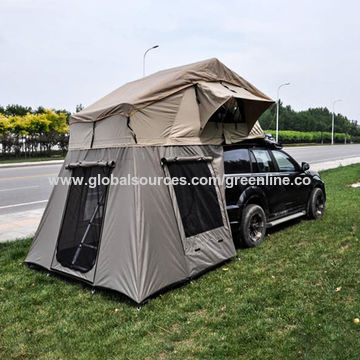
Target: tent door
x=198, y=207
x=79, y=238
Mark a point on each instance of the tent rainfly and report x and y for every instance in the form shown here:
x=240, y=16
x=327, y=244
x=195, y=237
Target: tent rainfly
x=138, y=239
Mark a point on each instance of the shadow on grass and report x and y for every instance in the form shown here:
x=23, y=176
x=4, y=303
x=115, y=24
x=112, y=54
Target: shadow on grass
x=239, y=245
x=114, y=295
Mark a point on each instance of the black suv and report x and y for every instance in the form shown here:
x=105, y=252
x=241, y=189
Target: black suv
x=264, y=193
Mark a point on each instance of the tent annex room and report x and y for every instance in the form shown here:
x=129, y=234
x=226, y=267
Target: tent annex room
x=140, y=238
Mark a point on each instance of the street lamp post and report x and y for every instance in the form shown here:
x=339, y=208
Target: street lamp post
x=333, y=120
x=277, y=110
x=154, y=47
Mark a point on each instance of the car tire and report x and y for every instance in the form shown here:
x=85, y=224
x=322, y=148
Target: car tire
x=253, y=225
x=316, y=205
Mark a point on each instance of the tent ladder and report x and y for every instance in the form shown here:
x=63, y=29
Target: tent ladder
x=82, y=242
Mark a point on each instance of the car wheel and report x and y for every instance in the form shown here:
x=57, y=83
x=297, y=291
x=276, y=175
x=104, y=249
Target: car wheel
x=253, y=225
x=316, y=205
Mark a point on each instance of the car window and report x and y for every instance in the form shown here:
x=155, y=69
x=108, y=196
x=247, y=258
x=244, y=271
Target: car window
x=254, y=165
x=263, y=159
x=236, y=161
x=283, y=160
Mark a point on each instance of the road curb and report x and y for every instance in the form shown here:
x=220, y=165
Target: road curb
x=31, y=163
x=334, y=164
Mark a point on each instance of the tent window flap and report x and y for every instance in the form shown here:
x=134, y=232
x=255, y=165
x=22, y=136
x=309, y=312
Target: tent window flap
x=80, y=234
x=198, y=204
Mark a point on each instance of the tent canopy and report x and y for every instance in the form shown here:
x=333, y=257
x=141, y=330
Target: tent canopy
x=200, y=103
x=138, y=94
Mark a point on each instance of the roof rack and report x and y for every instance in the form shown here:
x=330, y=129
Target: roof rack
x=269, y=143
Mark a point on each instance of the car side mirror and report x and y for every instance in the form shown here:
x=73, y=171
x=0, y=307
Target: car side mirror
x=305, y=166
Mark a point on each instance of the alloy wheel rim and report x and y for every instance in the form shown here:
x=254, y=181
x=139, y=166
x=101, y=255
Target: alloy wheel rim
x=319, y=205
x=256, y=226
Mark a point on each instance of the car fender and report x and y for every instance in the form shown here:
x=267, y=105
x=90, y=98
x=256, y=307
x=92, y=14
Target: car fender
x=316, y=180
x=256, y=194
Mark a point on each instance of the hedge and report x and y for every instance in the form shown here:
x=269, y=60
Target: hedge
x=293, y=137
x=33, y=133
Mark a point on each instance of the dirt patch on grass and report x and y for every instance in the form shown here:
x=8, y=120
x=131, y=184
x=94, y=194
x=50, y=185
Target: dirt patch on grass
x=201, y=313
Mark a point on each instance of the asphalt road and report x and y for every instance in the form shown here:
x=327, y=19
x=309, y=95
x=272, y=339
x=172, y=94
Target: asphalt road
x=28, y=188
x=320, y=154
x=25, y=188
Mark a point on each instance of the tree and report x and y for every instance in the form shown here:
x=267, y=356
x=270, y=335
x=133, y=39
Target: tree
x=79, y=107
x=17, y=110
x=313, y=119
x=40, y=130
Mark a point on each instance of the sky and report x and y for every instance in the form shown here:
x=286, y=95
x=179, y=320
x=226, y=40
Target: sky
x=58, y=54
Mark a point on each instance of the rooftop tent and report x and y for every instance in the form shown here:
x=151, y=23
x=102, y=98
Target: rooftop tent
x=140, y=238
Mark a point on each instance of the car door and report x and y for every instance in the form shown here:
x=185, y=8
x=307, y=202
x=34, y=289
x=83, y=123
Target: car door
x=288, y=170
x=263, y=167
x=236, y=166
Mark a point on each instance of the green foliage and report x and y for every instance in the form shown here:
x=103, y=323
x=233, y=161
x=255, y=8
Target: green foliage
x=79, y=107
x=34, y=131
x=293, y=137
x=19, y=110
x=312, y=120
x=14, y=110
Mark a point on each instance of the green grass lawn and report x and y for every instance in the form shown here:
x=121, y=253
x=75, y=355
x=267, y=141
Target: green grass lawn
x=278, y=301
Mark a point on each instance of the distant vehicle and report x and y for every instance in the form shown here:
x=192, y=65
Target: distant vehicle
x=254, y=208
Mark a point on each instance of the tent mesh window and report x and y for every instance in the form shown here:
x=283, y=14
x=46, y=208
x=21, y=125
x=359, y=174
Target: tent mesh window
x=231, y=112
x=198, y=204
x=80, y=233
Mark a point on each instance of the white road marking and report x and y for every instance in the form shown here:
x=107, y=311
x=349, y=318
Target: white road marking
x=23, y=204
x=21, y=188
x=27, y=176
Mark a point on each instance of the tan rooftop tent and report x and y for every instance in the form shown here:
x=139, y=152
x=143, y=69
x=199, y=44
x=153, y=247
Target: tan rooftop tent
x=139, y=238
